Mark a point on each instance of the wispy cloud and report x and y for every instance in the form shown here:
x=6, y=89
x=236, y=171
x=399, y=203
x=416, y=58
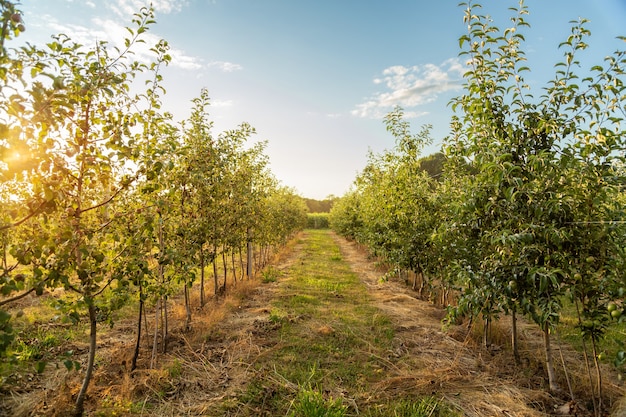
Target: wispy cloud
x=225, y=66
x=128, y=7
x=410, y=87
x=114, y=32
x=221, y=103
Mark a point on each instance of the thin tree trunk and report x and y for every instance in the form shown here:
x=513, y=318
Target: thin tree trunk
x=587, y=367
x=554, y=387
x=486, y=329
x=145, y=318
x=155, y=340
x=225, y=269
x=598, y=376
x=165, y=324
x=202, y=299
x=232, y=260
x=249, y=255
x=216, y=284
x=133, y=365
x=241, y=266
x=514, y=340
x=187, y=309
x=80, y=400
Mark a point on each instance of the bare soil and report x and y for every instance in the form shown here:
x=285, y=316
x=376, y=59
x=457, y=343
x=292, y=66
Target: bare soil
x=216, y=359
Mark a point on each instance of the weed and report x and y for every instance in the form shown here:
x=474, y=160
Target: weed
x=175, y=369
x=110, y=407
x=34, y=348
x=422, y=407
x=311, y=403
x=276, y=316
x=269, y=274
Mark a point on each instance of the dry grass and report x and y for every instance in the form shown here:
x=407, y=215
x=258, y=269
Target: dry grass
x=114, y=390
x=455, y=365
x=210, y=368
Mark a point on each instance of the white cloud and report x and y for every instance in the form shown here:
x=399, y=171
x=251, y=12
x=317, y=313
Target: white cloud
x=410, y=87
x=221, y=103
x=184, y=61
x=115, y=32
x=225, y=66
x=129, y=7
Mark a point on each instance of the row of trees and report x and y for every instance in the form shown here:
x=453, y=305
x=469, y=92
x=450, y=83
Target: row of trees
x=104, y=196
x=529, y=209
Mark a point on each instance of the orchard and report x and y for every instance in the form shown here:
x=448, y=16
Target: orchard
x=528, y=213
x=107, y=201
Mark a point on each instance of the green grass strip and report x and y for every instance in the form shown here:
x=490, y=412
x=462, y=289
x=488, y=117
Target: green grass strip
x=329, y=345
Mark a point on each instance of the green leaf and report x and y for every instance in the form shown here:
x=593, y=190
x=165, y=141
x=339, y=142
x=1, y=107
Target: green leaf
x=40, y=366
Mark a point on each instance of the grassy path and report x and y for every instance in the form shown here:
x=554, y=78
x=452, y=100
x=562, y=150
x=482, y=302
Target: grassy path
x=325, y=344
x=323, y=336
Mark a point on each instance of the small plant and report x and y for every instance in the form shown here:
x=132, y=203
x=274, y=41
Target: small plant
x=423, y=407
x=311, y=403
x=276, y=316
x=175, y=369
x=269, y=274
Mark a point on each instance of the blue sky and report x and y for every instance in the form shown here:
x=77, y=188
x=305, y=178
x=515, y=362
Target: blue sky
x=315, y=77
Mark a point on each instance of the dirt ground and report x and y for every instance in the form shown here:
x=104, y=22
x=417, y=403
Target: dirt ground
x=424, y=360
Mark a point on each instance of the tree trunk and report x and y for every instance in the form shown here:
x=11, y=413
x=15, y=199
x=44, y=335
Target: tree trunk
x=155, y=340
x=249, y=256
x=514, y=341
x=165, y=324
x=241, y=266
x=145, y=318
x=264, y=262
x=225, y=268
x=133, y=365
x=554, y=387
x=187, y=309
x=80, y=400
x=232, y=260
x=486, y=329
x=202, y=300
x=598, y=376
x=585, y=351
x=158, y=306
x=216, y=284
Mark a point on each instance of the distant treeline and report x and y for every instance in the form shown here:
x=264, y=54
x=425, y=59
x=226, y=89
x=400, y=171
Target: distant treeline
x=433, y=164
x=320, y=206
x=317, y=221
